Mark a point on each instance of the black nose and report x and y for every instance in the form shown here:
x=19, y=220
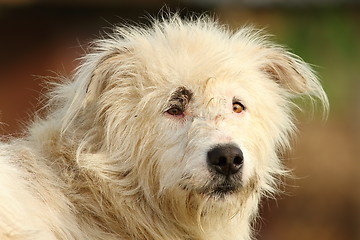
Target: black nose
x=225, y=159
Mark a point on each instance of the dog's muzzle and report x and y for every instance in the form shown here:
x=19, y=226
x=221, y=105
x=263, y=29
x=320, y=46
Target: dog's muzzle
x=225, y=163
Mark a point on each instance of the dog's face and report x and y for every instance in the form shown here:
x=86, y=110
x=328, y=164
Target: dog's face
x=196, y=109
x=219, y=126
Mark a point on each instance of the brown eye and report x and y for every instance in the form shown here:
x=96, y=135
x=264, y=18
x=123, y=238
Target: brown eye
x=238, y=107
x=175, y=111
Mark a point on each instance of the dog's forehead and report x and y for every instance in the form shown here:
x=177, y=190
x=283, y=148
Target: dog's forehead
x=193, y=51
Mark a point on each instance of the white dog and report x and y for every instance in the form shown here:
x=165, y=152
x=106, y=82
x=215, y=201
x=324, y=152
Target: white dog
x=167, y=132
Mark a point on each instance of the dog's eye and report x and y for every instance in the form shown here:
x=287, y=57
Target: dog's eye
x=175, y=111
x=238, y=107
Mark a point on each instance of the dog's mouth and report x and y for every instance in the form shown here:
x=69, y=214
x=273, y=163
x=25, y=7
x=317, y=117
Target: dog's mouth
x=224, y=189
x=220, y=188
x=216, y=187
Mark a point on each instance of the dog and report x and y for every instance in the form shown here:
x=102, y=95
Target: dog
x=170, y=131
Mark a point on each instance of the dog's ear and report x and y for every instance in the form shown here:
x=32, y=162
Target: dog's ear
x=104, y=68
x=90, y=80
x=293, y=74
x=289, y=71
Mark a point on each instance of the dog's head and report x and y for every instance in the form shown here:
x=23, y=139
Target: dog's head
x=189, y=106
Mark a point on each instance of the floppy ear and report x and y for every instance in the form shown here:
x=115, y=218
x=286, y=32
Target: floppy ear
x=294, y=75
x=90, y=80
x=287, y=71
x=290, y=72
x=102, y=70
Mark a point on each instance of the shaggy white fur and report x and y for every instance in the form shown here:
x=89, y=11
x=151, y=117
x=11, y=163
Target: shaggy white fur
x=165, y=132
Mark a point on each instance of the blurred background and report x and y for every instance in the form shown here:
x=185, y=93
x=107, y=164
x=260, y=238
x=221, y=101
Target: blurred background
x=322, y=202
